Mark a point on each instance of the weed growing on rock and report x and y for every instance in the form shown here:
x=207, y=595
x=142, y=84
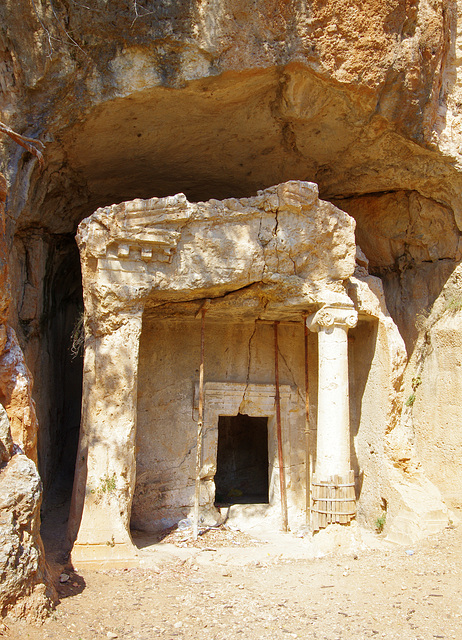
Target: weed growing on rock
x=108, y=484
x=416, y=382
x=380, y=522
x=454, y=304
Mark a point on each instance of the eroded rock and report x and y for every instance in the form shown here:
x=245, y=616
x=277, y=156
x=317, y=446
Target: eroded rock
x=432, y=391
x=25, y=588
x=6, y=441
x=16, y=395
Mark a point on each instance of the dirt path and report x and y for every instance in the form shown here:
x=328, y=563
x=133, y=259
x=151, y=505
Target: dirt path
x=234, y=587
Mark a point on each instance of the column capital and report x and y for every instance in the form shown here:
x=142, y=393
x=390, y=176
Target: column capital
x=329, y=317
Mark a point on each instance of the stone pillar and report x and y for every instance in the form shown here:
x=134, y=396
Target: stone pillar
x=333, y=477
x=106, y=463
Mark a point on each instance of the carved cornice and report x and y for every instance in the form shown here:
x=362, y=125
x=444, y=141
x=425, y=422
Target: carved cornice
x=284, y=237
x=140, y=229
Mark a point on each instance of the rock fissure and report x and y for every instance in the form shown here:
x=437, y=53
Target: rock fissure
x=249, y=362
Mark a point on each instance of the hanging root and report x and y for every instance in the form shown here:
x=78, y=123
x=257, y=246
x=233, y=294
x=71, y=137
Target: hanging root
x=28, y=143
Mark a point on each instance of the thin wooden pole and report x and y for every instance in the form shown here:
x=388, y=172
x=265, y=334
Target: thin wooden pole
x=282, y=480
x=309, y=457
x=200, y=424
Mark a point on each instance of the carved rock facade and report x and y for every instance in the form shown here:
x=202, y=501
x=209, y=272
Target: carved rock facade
x=148, y=269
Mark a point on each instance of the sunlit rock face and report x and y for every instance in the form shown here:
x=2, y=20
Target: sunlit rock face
x=26, y=591
x=219, y=100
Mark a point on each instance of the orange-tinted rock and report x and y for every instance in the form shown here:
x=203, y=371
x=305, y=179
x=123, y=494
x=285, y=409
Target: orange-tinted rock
x=4, y=285
x=16, y=396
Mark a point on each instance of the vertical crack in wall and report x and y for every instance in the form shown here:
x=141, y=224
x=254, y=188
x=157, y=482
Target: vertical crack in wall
x=275, y=235
x=293, y=262
x=249, y=359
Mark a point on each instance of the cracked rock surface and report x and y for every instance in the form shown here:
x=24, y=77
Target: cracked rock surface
x=25, y=589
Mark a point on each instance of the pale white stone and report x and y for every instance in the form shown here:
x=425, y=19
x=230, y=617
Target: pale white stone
x=333, y=435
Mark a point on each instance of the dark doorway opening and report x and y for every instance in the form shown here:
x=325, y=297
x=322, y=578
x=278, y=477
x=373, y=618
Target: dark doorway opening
x=60, y=425
x=242, y=460
x=58, y=444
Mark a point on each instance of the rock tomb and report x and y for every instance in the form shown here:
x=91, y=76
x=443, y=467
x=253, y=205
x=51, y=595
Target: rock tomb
x=258, y=271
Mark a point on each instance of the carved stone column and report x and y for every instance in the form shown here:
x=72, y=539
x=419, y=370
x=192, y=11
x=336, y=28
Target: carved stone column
x=106, y=466
x=333, y=480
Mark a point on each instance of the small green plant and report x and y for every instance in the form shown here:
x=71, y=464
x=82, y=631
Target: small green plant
x=415, y=384
x=111, y=542
x=108, y=484
x=380, y=522
x=410, y=401
x=454, y=304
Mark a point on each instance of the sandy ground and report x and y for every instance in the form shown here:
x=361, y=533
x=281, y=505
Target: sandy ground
x=343, y=583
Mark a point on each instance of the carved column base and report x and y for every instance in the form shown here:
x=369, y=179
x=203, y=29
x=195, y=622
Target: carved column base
x=334, y=500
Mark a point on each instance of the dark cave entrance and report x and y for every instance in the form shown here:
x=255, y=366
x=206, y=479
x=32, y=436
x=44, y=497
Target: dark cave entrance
x=59, y=434
x=242, y=460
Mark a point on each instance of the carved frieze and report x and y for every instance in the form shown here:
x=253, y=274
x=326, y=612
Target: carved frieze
x=284, y=239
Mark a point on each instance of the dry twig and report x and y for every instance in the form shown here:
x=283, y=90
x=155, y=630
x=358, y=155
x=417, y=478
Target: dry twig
x=65, y=31
x=60, y=26
x=27, y=143
x=138, y=14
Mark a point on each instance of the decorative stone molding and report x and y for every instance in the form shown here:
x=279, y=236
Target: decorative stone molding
x=328, y=317
x=285, y=239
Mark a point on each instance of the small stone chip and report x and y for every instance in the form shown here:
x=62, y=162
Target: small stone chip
x=111, y=635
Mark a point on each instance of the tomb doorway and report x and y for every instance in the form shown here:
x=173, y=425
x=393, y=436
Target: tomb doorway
x=242, y=460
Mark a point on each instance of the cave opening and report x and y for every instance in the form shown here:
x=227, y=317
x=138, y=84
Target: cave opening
x=242, y=460
x=224, y=136
x=60, y=387
x=207, y=140
x=61, y=390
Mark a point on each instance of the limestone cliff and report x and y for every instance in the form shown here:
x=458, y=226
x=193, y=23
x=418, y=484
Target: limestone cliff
x=215, y=99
